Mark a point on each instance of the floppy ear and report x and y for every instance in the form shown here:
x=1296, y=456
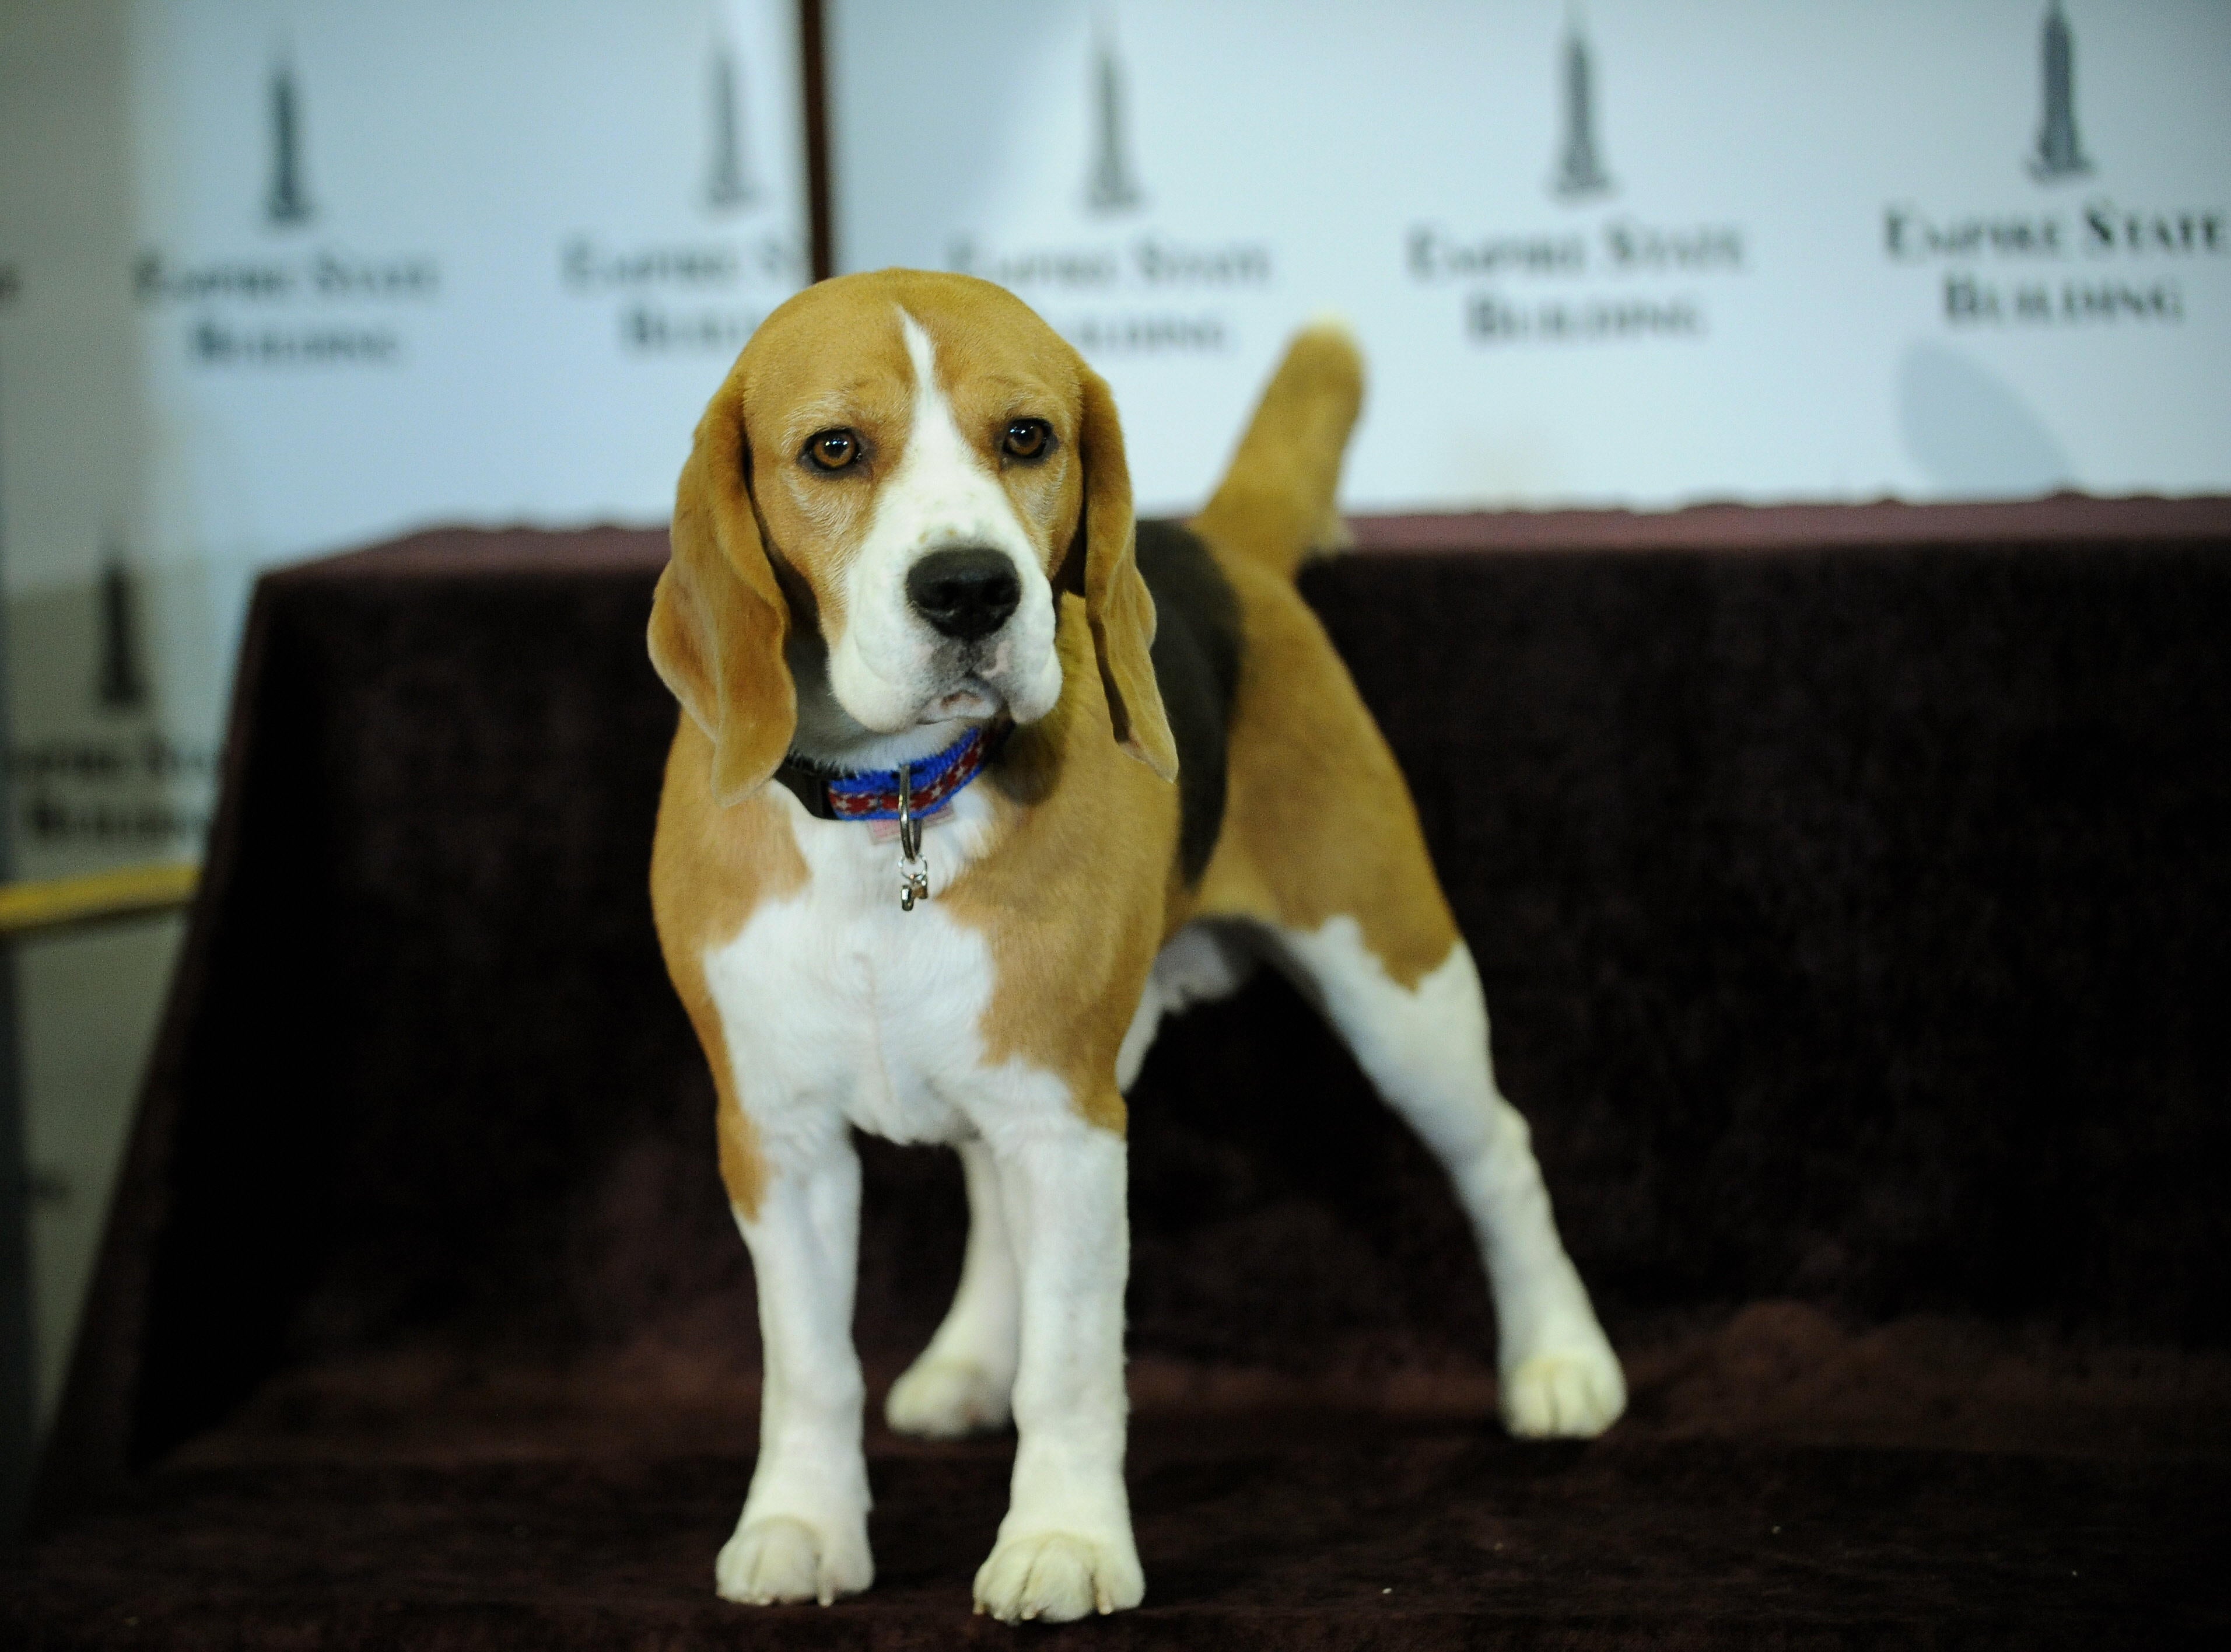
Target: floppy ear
x=718, y=622
x=1116, y=598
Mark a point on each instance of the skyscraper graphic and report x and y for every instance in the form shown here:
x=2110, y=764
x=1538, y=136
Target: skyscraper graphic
x=288, y=203
x=2059, y=153
x=122, y=685
x=1580, y=173
x=730, y=185
x=1111, y=186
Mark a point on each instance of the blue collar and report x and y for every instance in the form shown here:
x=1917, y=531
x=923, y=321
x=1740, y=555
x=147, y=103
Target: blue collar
x=873, y=795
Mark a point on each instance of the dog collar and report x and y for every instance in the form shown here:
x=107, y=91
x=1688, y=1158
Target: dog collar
x=873, y=795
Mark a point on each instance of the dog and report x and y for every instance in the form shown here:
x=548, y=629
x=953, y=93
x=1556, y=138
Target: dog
x=974, y=781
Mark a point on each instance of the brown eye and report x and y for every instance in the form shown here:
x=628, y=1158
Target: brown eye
x=833, y=450
x=1027, y=438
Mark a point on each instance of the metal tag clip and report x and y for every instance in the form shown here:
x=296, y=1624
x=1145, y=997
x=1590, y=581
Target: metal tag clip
x=913, y=871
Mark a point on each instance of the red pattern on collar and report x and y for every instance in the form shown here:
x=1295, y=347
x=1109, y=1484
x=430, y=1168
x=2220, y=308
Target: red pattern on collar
x=881, y=801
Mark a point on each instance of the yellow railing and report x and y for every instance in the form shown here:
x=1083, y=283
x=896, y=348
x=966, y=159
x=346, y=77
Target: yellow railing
x=66, y=903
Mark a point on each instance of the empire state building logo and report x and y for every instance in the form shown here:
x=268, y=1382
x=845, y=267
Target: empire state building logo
x=1111, y=185
x=729, y=186
x=2059, y=153
x=288, y=201
x=122, y=684
x=1580, y=169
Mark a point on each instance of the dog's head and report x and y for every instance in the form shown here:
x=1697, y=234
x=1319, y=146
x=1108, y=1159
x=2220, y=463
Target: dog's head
x=898, y=470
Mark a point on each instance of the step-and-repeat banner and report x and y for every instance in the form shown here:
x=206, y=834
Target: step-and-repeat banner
x=1625, y=253
x=281, y=276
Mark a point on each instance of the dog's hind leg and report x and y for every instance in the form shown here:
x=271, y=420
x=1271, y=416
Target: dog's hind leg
x=1424, y=1047
x=963, y=1381
x=1335, y=874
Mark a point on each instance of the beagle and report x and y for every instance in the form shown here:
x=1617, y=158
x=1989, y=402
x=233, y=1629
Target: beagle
x=950, y=822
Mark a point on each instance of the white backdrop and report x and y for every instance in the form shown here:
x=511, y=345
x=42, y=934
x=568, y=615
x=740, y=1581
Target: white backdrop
x=282, y=276
x=1823, y=251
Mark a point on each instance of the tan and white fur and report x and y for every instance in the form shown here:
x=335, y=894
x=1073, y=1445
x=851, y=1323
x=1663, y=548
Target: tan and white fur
x=1007, y=1014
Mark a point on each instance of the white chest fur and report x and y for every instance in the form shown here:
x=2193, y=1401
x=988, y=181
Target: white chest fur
x=839, y=1007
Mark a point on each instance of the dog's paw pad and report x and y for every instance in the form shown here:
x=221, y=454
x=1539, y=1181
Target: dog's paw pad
x=1055, y=1578
x=1567, y=1394
x=781, y=1559
x=945, y=1399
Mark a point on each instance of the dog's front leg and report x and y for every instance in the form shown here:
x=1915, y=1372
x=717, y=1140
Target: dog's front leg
x=803, y=1532
x=1065, y=1548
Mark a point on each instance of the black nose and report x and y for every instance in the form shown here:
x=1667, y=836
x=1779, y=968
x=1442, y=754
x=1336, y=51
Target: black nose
x=965, y=595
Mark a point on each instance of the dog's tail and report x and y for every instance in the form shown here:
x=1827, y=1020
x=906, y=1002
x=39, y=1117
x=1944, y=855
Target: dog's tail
x=1274, y=504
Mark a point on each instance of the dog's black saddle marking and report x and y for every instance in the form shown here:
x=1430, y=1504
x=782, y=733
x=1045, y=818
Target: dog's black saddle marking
x=1196, y=656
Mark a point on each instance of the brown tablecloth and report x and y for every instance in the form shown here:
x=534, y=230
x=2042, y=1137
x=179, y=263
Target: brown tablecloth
x=1850, y=888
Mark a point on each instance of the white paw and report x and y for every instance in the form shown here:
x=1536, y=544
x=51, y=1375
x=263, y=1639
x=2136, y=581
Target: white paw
x=1056, y=1578
x=1570, y=1393
x=945, y=1399
x=778, y=1558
